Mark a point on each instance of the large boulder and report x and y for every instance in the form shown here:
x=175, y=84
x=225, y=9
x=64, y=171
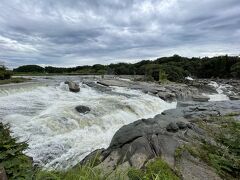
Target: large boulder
x=73, y=87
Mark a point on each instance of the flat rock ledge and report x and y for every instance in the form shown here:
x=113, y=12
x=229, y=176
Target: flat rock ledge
x=137, y=143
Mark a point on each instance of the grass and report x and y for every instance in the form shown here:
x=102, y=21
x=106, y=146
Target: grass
x=224, y=153
x=155, y=170
x=14, y=80
x=77, y=173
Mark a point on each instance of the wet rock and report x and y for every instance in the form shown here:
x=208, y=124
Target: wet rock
x=166, y=96
x=172, y=127
x=3, y=175
x=234, y=97
x=202, y=85
x=82, y=109
x=200, y=98
x=73, y=87
x=102, y=83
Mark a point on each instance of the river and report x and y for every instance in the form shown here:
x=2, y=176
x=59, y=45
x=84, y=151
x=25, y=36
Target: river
x=44, y=115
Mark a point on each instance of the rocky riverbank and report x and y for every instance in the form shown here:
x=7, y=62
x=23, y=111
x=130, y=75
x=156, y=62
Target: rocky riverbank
x=191, y=90
x=170, y=134
x=134, y=145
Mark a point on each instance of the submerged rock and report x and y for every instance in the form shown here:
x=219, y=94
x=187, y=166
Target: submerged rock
x=82, y=109
x=73, y=87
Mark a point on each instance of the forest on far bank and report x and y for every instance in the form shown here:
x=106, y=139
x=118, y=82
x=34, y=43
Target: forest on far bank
x=173, y=68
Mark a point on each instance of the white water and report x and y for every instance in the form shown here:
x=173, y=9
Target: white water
x=219, y=96
x=59, y=136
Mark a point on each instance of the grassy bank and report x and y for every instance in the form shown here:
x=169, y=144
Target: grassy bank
x=14, y=80
x=221, y=150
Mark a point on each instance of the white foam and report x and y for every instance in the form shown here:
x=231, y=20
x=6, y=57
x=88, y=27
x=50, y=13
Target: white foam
x=220, y=96
x=59, y=136
x=189, y=78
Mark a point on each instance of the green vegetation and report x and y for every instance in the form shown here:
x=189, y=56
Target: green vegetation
x=79, y=172
x=224, y=153
x=16, y=164
x=174, y=68
x=155, y=170
x=4, y=73
x=14, y=80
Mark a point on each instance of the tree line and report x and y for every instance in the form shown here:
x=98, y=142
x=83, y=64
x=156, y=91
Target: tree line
x=174, y=68
x=4, y=73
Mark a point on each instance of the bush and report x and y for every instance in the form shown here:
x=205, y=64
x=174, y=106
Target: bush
x=16, y=164
x=174, y=73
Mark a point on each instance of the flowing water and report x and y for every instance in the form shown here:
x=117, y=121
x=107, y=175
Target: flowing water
x=44, y=115
x=220, y=88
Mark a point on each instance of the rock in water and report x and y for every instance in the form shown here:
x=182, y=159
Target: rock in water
x=73, y=87
x=82, y=109
x=200, y=98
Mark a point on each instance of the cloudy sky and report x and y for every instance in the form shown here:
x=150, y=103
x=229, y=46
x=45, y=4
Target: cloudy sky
x=79, y=32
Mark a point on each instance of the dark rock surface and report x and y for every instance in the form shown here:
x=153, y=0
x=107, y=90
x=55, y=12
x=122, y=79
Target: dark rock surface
x=167, y=92
x=137, y=143
x=82, y=109
x=172, y=127
x=232, y=97
x=73, y=87
x=200, y=98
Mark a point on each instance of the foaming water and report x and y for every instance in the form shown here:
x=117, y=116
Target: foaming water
x=220, y=96
x=58, y=136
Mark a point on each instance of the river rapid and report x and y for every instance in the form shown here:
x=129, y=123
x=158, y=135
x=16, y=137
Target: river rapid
x=44, y=115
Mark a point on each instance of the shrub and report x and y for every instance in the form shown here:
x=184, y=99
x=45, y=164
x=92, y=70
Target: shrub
x=16, y=164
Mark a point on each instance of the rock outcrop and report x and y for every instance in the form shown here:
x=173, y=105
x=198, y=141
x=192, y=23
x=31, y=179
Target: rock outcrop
x=73, y=87
x=135, y=144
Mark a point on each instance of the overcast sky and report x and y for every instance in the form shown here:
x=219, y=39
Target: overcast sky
x=79, y=32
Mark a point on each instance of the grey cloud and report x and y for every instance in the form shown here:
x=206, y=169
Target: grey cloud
x=77, y=32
